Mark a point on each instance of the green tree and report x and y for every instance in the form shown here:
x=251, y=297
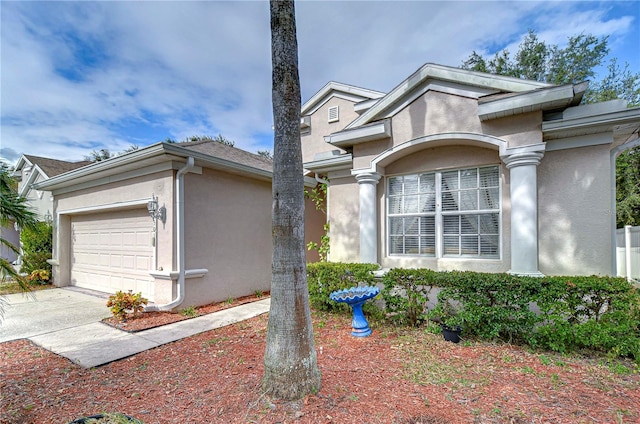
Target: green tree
x=219, y=139
x=99, y=155
x=575, y=63
x=13, y=209
x=265, y=154
x=290, y=361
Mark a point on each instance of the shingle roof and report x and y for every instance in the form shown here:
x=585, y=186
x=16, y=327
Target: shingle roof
x=53, y=167
x=223, y=151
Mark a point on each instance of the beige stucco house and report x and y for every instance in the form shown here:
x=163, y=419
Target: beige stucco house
x=186, y=224
x=460, y=170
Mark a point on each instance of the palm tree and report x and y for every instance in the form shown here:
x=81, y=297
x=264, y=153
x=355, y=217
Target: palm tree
x=13, y=209
x=290, y=361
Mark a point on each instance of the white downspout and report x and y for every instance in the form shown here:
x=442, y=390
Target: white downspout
x=180, y=257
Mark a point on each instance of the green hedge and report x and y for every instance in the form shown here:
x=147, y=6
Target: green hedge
x=559, y=313
x=326, y=277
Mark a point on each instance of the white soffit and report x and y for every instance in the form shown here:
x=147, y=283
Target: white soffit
x=334, y=163
x=375, y=131
x=578, y=124
x=544, y=99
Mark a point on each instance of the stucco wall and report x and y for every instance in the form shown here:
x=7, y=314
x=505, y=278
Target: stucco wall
x=228, y=232
x=434, y=113
x=519, y=130
x=344, y=211
x=574, y=212
x=313, y=141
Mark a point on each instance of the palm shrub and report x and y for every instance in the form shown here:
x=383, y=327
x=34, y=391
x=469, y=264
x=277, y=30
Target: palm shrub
x=13, y=209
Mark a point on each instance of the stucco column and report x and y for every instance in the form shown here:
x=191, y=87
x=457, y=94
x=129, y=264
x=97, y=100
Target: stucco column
x=522, y=164
x=367, y=182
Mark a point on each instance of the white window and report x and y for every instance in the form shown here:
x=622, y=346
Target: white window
x=334, y=113
x=445, y=214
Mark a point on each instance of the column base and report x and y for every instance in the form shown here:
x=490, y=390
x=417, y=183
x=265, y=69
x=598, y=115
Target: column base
x=526, y=274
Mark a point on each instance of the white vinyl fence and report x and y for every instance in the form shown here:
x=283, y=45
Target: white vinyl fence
x=628, y=252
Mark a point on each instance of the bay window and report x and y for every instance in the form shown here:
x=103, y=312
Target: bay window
x=453, y=213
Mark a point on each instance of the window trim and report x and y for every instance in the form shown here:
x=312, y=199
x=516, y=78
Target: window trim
x=439, y=215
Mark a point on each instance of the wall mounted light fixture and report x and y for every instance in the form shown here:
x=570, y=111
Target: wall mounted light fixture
x=157, y=213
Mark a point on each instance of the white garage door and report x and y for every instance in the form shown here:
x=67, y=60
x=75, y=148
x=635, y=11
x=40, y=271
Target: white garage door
x=113, y=251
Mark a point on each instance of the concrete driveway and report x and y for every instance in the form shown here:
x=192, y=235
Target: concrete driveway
x=47, y=311
x=67, y=322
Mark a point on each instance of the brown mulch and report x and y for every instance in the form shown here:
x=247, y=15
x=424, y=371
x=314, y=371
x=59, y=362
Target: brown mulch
x=147, y=320
x=396, y=375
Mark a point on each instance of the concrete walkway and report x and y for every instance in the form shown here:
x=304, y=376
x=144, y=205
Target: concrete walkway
x=67, y=322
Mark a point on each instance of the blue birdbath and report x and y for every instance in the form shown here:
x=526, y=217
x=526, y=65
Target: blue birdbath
x=355, y=297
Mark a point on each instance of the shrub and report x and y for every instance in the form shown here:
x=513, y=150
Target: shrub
x=36, y=246
x=406, y=293
x=558, y=313
x=324, y=278
x=39, y=276
x=598, y=313
x=122, y=303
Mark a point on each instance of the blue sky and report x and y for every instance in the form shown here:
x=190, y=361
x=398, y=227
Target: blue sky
x=79, y=76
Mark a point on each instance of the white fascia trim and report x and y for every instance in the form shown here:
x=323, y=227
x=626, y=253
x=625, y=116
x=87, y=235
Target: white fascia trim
x=382, y=158
x=331, y=164
x=442, y=87
x=219, y=163
x=456, y=75
x=364, y=105
x=362, y=134
x=605, y=121
x=345, y=89
x=310, y=182
x=555, y=97
x=35, y=171
x=132, y=157
x=165, y=166
x=106, y=206
x=579, y=141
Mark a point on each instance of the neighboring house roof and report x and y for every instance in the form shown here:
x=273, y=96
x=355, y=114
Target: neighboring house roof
x=41, y=166
x=53, y=167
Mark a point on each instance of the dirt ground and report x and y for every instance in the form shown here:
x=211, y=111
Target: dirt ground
x=397, y=375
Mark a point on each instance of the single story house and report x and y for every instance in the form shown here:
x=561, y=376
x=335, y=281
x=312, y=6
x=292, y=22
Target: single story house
x=186, y=224
x=461, y=170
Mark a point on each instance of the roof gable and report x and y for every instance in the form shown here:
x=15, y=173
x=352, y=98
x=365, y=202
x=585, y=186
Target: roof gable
x=447, y=79
x=336, y=89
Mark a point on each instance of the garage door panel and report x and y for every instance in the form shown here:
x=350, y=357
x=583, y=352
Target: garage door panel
x=113, y=251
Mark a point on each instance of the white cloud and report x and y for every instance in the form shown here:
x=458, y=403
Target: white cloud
x=77, y=76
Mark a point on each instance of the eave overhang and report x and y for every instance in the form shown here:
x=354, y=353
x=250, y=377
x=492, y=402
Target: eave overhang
x=347, y=138
x=590, y=124
x=335, y=163
x=544, y=99
x=149, y=158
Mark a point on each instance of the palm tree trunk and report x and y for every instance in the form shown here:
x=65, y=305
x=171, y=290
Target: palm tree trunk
x=291, y=369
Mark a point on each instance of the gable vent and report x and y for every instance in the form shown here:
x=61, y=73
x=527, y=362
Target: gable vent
x=334, y=113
